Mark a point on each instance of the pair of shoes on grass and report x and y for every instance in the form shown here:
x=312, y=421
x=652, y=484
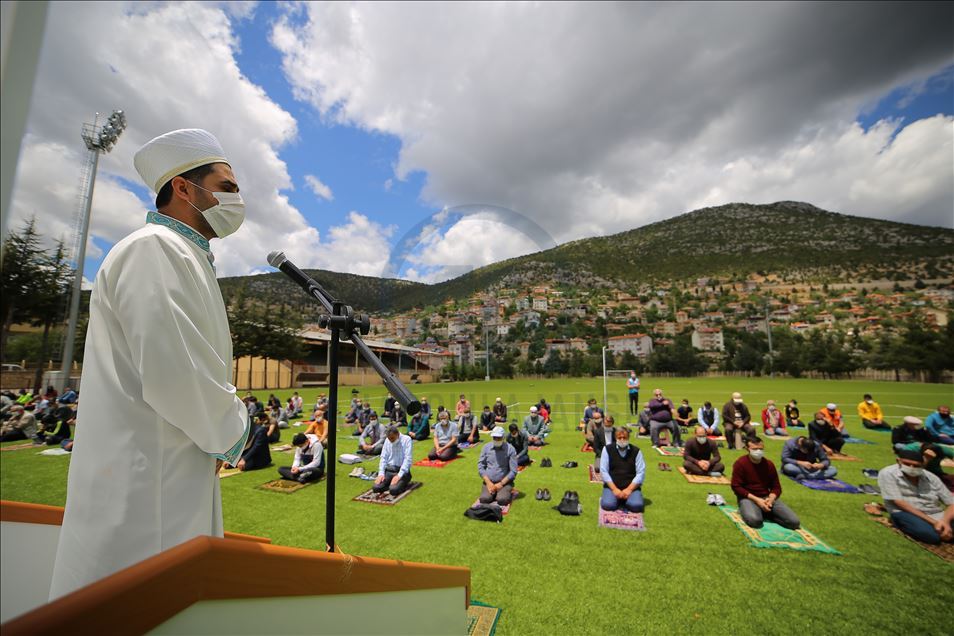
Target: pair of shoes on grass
x=868, y=489
x=715, y=500
x=356, y=472
x=543, y=494
x=546, y=463
x=665, y=467
x=569, y=464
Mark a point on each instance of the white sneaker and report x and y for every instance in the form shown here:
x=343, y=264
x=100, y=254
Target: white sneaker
x=719, y=501
x=716, y=474
x=711, y=499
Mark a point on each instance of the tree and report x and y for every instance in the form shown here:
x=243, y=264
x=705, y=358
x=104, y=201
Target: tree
x=51, y=287
x=22, y=262
x=555, y=364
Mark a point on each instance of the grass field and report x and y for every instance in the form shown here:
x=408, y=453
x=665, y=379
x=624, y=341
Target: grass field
x=691, y=571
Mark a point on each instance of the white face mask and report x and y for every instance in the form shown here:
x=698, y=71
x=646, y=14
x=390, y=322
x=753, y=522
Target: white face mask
x=912, y=471
x=498, y=443
x=227, y=216
x=622, y=445
x=757, y=454
x=701, y=440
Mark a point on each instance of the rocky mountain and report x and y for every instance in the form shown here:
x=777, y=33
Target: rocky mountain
x=797, y=242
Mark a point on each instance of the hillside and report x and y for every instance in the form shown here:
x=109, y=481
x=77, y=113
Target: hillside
x=795, y=241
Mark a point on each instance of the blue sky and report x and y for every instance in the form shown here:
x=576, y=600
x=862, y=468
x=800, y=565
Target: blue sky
x=576, y=118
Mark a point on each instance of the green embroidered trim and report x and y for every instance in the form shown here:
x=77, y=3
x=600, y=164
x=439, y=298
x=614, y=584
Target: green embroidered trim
x=179, y=228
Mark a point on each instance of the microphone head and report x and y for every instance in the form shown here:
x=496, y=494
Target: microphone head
x=413, y=408
x=276, y=259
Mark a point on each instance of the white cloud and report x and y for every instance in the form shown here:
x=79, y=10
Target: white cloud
x=320, y=189
x=593, y=118
x=388, y=184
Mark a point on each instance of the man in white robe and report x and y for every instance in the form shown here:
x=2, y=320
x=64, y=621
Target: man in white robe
x=159, y=411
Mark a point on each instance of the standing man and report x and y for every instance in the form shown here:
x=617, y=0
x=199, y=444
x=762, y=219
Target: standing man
x=143, y=474
x=632, y=386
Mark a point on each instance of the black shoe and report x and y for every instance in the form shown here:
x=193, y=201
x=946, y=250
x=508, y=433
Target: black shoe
x=546, y=494
x=539, y=494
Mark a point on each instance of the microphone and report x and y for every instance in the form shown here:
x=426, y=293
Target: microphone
x=279, y=261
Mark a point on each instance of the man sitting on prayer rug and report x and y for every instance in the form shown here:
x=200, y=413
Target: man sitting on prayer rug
x=535, y=426
x=773, y=422
x=701, y=455
x=623, y=470
x=804, y=458
x=394, y=469
x=823, y=431
x=598, y=435
x=708, y=418
x=445, y=438
x=755, y=483
x=871, y=414
x=418, y=428
x=487, y=420
x=919, y=503
x=497, y=467
x=940, y=425
x=372, y=437
x=309, y=462
x=319, y=427
x=467, y=427
x=521, y=445
x=736, y=415
x=256, y=454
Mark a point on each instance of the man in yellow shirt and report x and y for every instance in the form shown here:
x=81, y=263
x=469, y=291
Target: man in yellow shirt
x=871, y=414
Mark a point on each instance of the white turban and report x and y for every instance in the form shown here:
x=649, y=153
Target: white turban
x=175, y=152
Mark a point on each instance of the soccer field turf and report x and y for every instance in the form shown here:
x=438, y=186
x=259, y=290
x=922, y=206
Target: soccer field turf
x=691, y=571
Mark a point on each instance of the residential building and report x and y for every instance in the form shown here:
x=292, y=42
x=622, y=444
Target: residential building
x=708, y=339
x=639, y=344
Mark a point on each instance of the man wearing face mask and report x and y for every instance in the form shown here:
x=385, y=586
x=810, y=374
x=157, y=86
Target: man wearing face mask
x=701, y=455
x=623, y=470
x=755, y=483
x=598, y=436
x=919, y=503
x=142, y=476
x=871, y=414
x=497, y=467
x=821, y=430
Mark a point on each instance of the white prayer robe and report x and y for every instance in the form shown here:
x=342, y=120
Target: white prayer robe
x=156, y=406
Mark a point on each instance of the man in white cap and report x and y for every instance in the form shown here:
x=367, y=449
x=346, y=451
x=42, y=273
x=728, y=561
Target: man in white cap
x=497, y=467
x=142, y=477
x=535, y=427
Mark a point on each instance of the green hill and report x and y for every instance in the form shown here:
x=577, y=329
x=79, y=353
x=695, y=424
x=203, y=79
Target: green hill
x=796, y=241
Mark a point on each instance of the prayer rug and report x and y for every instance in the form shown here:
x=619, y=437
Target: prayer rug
x=716, y=438
x=464, y=445
x=780, y=438
x=669, y=451
x=621, y=520
x=944, y=550
x=843, y=458
x=482, y=619
x=772, y=535
x=284, y=448
x=16, y=447
x=586, y=448
x=856, y=440
x=286, y=486
x=435, y=463
x=594, y=476
x=704, y=479
x=228, y=472
x=503, y=509
x=385, y=497
x=831, y=485
x=520, y=469
x=533, y=448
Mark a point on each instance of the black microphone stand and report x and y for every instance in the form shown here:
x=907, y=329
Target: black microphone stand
x=344, y=325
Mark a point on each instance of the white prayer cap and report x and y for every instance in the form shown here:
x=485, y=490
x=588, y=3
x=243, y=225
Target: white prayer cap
x=175, y=152
x=910, y=419
x=831, y=406
x=498, y=432
x=533, y=409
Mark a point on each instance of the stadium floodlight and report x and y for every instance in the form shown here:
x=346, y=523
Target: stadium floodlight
x=98, y=139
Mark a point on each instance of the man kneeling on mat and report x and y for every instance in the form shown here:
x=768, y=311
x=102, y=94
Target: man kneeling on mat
x=701, y=455
x=394, y=469
x=497, y=466
x=309, y=462
x=521, y=445
x=623, y=469
x=445, y=439
x=920, y=504
x=804, y=458
x=755, y=483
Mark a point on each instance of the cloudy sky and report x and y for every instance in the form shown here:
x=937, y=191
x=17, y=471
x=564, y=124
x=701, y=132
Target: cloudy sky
x=355, y=127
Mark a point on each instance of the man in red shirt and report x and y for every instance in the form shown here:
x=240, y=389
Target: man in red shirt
x=755, y=483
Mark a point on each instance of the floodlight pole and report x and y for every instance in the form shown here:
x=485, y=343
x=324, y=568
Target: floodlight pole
x=97, y=140
x=487, y=353
x=605, y=405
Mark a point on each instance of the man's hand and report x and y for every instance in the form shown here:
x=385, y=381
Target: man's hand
x=817, y=466
x=943, y=529
x=241, y=465
x=616, y=491
x=295, y=471
x=379, y=480
x=769, y=502
x=703, y=464
x=805, y=465
x=394, y=481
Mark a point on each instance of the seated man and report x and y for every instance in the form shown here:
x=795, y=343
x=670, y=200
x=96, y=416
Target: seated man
x=598, y=436
x=418, y=429
x=920, y=504
x=708, y=418
x=351, y=417
x=500, y=411
x=389, y=403
x=309, y=462
x=319, y=427
x=701, y=455
x=804, y=458
x=372, y=439
x=773, y=423
x=467, y=428
x=445, y=439
x=463, y=405
x=736, y=416
x=660, y=409
x=645, y=420
x=425, y=411
x=69, y=396
x=591, y=408
x=398, y=414
x=871, y=415
x=268, y=424
x=911, y=436
x=684, y=415
x=521, y=445
x=256, y=454
x=394, y=469
x=832, y=415
x=536, y=428
x=21, y=426
x=623, y=470
x=940, y=425
x=755, y=483
x=297, y=404
x=364, y=416
x=908, y=432
x=497, y=467
x=821, y=430
x=487, y=420
x=792, y=414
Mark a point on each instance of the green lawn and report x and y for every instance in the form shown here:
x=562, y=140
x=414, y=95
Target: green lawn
x=690, y=571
